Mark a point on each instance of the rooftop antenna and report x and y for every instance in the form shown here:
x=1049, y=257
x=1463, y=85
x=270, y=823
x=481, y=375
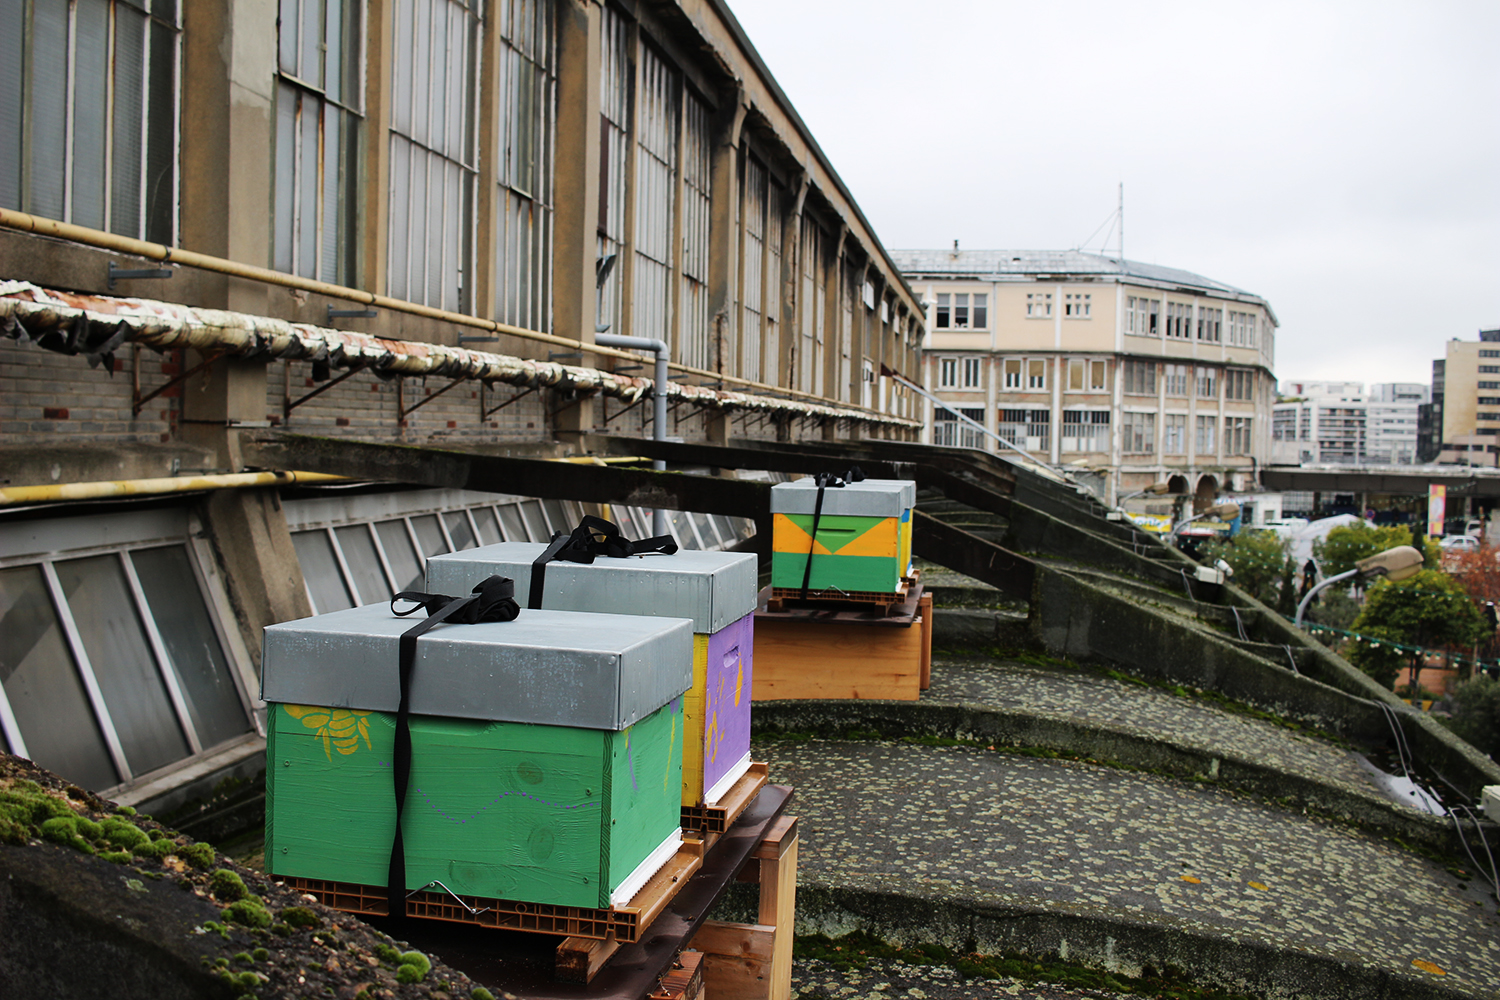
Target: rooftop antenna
x=1122, y=226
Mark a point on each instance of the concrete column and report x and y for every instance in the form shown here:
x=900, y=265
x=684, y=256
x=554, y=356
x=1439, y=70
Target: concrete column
x=486, y=197
x=260, y=569
x=576, y=184
x=724, y=234
x=229, y=66
x=375, y=147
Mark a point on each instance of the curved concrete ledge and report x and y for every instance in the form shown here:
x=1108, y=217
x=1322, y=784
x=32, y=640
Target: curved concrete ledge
x=1103, y=940
x=896, y=719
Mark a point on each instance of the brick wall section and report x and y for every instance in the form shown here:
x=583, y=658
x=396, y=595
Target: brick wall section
x=44, y=395
x=365, y=408
x=47, y=396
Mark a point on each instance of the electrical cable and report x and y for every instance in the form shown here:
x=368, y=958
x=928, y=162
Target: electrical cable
x=1494, y=874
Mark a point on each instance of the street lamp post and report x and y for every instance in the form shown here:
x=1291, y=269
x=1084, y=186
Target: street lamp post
x=1394, y=564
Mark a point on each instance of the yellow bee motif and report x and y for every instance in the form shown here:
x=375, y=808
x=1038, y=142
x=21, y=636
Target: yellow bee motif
x=336, y=727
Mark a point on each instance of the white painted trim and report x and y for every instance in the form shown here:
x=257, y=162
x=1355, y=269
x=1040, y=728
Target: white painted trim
x=724, y=784
x=643, y=871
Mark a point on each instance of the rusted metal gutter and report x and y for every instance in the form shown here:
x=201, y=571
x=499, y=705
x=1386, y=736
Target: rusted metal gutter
x=97, y=325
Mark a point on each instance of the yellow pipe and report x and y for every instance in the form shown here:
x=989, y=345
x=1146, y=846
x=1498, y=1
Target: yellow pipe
x=173, y=255
x=147, y=487
x=596, y=460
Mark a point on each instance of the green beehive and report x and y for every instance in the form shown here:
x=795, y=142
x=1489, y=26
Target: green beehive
x=566, y=815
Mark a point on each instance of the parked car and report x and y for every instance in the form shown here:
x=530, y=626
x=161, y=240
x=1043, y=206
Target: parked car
x=1459, y=543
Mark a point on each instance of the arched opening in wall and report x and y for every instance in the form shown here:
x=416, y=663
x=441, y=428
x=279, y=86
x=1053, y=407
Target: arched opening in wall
x=1203, y=496
x=1177, y=485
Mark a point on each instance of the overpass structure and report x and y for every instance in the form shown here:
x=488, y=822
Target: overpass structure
x=1461, y=480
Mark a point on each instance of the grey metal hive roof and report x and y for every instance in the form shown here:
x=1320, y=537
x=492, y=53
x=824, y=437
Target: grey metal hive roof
x=999, y=265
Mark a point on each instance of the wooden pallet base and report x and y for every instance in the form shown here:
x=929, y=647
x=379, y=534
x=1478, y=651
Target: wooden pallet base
x=879, y=602
x=721, y=815
x=624, y=924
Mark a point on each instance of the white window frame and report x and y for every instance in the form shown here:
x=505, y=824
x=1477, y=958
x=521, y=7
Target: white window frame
x=1078, y=305
x=1038, y=305
x=58, y=540
x=973, y=373
x=1138, y=432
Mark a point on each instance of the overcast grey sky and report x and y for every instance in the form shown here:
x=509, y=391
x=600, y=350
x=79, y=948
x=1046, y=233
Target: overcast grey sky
x=1341, y=159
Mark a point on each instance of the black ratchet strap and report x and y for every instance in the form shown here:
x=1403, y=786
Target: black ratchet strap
x=824, y=481
x=593, y=537
x=493, y=600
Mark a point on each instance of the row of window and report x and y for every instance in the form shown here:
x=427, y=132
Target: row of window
x=118, y=650
x=1092, y=375
x=90, y=98
x=1088, y=431
x=1145, y=317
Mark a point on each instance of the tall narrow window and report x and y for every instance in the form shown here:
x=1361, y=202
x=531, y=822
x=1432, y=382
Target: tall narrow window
x=943, y=317
x=961, y=310
x=659, y=117
x=525, y=138
x=1036, y=374
x=88, y=113
x=752, y=264
x=615, y=87
x=1012, y=373
x=317, y=139
x=981, y=311
x=973, y=373
x=698, y=345
x=433, y=155
x=814, y=285
x=948, y=373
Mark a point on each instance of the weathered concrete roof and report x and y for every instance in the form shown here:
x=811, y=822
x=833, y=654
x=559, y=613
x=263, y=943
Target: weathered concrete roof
x=1021, y=265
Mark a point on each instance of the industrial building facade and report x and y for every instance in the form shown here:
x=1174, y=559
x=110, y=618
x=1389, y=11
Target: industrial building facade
x=1135, y=371
x=410, y=220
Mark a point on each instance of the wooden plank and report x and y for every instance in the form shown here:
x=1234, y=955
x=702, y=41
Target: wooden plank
x=727, y=978
x=837, y=660
x=579, y=959
x=781, y=834
x=925, y=610
x=778, y=908
x=718, y=937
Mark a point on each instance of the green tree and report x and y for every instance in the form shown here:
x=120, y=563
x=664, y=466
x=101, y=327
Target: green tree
x=1477, y=715
x=1348, y=545
x=1425, y=611
x=1257, y=557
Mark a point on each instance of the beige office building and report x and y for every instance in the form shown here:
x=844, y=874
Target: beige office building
x=1136, y=371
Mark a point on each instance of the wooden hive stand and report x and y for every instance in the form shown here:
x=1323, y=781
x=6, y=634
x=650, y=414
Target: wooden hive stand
x=754, y=961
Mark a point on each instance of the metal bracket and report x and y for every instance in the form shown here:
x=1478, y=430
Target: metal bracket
x=407, y=411
x=140, y=401
x=288, y=404
x=554, y=355
x=334, y=314
x=117, y=273
x=520, y=395
x=625, y=410
x=462, y=340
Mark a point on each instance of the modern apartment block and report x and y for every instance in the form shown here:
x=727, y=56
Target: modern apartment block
x=1136, y=371
x=1339, y=423
x=1461, y=424
x=381, y=222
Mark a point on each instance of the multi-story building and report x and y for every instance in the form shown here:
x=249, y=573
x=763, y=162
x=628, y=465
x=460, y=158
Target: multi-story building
x=1463, y=419
x=1137, y=371
x=1322, y=422
x=1391, y=415
x=378, y=222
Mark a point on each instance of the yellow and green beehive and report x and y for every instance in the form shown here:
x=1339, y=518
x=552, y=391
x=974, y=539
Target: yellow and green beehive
x=546, y=752
x=863, y=539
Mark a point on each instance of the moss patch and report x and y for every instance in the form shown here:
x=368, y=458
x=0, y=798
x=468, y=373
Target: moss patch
x=854, y=951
